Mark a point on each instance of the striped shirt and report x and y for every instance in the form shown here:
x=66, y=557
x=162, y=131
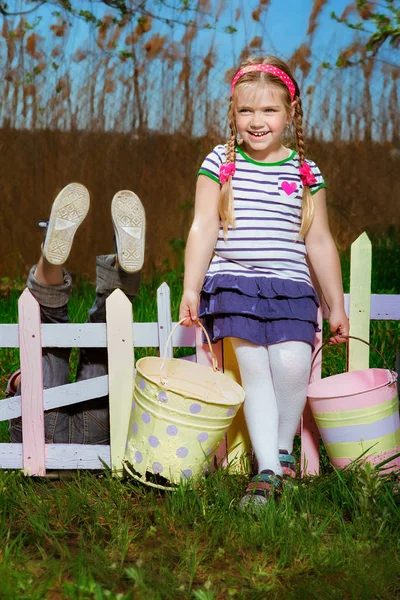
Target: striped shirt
x=267, y=204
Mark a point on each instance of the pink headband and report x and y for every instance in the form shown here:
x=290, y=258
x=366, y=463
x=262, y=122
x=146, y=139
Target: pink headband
x=267, y=69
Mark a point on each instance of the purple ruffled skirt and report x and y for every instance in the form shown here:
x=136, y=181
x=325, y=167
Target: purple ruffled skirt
x=262, y=310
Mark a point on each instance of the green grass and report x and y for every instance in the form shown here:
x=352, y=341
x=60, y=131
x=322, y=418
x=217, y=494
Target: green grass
x=336, y=536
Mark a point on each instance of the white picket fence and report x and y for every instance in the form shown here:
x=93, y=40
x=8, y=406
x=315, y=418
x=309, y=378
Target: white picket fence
x=121, y=336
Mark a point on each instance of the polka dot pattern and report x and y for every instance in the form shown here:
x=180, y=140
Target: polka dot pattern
x=266, y=69
x=187, y=473
x=138, y=456
x=146, y=417
x=162, y=396
x=142, y=384
x=153, y=441
x=203, y=436
x=195, y=408
x=230, y=412
x=135, y=428
x=172, y=430
x=182, y=452
x=133, y=405
x=157, y=467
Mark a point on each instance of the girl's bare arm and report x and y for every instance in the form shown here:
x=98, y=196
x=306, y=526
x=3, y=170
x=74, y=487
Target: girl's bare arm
x=324, y=258
x=200, y=245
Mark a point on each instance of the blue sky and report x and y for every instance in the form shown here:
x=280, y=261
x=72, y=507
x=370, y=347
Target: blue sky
x=289, y=23
x=283, y=26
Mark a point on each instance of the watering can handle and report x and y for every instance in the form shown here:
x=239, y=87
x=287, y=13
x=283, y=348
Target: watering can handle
x=213, y=356
x=353, y=337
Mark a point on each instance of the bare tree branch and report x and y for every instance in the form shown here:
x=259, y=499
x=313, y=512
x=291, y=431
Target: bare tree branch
x=4, y=12
x=143, y=11
x=131, y=10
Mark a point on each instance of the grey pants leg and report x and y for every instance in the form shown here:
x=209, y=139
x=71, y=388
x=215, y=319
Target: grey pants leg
x=86, y=422
x=53, y=301
x=91, y=425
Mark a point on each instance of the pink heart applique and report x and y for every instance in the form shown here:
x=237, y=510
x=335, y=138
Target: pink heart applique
x=288, y=188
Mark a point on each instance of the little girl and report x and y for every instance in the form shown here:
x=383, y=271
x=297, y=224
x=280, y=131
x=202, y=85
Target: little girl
x=261, y=209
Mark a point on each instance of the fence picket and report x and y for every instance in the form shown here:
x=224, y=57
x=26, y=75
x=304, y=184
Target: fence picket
x=164, y=320
x=237, y=437
x=120, y=373
x=360, y=302
x=309, y=462
x=203, y=356
x=202, y=350
x=34, y=462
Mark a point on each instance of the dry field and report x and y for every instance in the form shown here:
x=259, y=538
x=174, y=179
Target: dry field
x=35, y=165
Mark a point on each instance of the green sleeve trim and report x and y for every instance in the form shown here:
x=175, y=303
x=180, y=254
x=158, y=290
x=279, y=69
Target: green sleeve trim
x=323, y=185
x=208, y=174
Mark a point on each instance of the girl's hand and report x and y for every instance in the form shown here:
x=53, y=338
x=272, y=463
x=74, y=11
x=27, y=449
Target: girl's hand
x=189, y=308
x=339, y=326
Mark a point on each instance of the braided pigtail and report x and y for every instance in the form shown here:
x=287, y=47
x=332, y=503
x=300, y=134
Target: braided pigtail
x=307, y=201
x=226, y=210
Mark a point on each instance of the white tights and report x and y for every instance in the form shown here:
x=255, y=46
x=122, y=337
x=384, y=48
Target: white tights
x=275, y=379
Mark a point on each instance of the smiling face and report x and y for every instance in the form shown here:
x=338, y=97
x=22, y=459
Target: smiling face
x=261, y=116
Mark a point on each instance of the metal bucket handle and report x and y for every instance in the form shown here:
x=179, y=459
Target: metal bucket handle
x=353, y=337
x=215, y=367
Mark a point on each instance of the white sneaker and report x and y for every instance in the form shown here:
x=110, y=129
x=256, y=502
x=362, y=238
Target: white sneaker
x=67, y=213
x=129, y=222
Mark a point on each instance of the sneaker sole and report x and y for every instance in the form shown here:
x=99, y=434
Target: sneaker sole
x=67, y=213
x=129, y=222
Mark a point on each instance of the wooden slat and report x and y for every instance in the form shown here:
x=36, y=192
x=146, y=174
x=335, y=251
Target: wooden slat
x=63, y=395
x=185, y=337
x=360, y=302
x=31, y=385
x=8, y=336
x=308, y=429
x=10, y=408
x=74, y=335
x=202, y=350
x=93, y=335
x=120, y=373
x=164, y=320
x=59, y=456
x=191, y=358
x=203, y=357
x=384, y=307
x=77, y=456
x=238, y=440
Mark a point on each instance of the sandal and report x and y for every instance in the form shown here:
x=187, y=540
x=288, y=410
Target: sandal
x=263, y=486
x=11, y=388
x=288, y=463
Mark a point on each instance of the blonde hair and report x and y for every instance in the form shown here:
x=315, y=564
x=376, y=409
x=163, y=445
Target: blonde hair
x=226, y=207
